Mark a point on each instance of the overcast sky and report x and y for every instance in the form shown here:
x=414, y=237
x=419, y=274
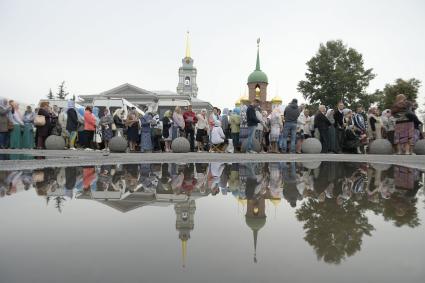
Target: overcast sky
x=97, y=45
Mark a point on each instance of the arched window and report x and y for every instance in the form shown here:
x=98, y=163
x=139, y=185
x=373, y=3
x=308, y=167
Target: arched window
x=187, y=81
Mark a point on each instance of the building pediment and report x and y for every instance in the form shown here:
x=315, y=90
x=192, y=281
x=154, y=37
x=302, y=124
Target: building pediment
x=126, y=90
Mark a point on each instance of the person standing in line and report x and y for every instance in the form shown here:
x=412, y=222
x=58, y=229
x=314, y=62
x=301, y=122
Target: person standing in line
x=43, y=130
x=291, y=114
x=339, y=126
x=71, y=124
x=322, y=124
x=89, y=127
x=252, y=122
x=119, y=123
x=276, y=126
x=146, y=138
x=62, y=117
x=5, y=109
x=28, y=134
x=202, y=130
x=190, y=121
x=166, y=130
x=332, y=131
x=404, y=127
x=132, y=124
x=16, y=133
x=360, y=124
x=178, y=123
x=235, y=126
x=106, y=125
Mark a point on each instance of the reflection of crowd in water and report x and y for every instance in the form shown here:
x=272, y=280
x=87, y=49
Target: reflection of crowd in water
x=330, y=198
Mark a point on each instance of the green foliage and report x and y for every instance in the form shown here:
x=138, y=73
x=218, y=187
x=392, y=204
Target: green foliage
x=409, y=88
x=336, y=73
x=50, y=94
x=62, y=94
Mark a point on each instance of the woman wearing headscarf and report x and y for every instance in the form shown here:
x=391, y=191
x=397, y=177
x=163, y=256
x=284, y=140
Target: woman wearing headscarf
x=18, y=123
x=5, y=109
x=119, y=123
x=404, y=127
x=374, y=131
x=132, y=124
x=276, y=126
x=28, y=135
x=202, y=130
x=106, y=124
x=43, y=130
x=178, y=123
x=332, y=133
x=146, y=138
x=167, y=129
x=235, y=126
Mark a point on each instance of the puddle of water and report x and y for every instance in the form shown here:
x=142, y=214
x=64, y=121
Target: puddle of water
x=216, y=222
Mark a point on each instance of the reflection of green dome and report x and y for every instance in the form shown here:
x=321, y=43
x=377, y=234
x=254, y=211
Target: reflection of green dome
x=255, y=223
x=258, y=77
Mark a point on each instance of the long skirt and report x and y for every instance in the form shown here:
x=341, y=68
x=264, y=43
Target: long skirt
x=16, y=137
x=404, y=133
x=274, y=133
x=146, y=142
x=332, y=139
x=28, y=136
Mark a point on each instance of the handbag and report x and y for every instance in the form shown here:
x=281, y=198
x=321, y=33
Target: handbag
x=114, y=127
x=97, y=137
x=38, y=176
x=39, y=120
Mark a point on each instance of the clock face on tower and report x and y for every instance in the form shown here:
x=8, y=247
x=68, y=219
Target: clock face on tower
x=187, y=81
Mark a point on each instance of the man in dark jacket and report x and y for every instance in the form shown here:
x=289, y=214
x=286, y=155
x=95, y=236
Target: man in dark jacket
x=252, y=122
x=322, y=123
x=290, y=127
x=71, y=124
x=190, y=121
x=339, y=126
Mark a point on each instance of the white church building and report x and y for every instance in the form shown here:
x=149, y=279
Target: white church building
x=187, y=91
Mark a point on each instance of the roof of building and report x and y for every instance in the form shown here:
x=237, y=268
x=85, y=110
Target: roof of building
x=258, y=76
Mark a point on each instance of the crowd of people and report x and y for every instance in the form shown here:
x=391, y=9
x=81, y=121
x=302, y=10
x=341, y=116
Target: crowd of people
x=242, y=129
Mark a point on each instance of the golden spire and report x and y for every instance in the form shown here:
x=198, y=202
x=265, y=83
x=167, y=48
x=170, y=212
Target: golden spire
x=187, y=45
x=184, y=252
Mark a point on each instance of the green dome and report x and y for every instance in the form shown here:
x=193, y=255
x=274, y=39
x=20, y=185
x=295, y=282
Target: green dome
x=258, y=76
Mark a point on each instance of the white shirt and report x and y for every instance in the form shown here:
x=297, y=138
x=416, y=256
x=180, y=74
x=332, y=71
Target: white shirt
x=217, y=135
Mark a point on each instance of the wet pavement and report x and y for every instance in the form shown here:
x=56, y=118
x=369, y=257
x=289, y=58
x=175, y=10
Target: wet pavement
x=308, y=221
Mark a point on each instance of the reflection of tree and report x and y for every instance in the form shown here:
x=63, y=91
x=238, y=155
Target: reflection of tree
x=334, y=231
x=402, y=211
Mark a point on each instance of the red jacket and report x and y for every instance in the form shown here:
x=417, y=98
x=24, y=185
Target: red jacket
x=89, y=121
x=189, y=119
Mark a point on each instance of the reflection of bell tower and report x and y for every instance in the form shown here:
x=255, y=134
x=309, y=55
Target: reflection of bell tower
x=187, y=74
x=255, y=218
x=185, y=212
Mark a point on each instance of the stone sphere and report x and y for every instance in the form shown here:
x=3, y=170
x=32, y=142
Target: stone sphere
x=380, y=146
x=311, y=146
x=420, y=147
x=118, y=144
x=55, y=143
x=255, y=144
x=312, y=164
x=180, y=145
x=381, y=166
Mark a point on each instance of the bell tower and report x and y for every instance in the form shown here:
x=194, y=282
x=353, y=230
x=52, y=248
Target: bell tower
x=187, y=74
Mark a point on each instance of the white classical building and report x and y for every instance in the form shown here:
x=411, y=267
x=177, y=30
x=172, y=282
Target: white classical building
x=187, y=91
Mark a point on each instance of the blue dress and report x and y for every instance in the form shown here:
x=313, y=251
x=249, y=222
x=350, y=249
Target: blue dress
x=146, y=137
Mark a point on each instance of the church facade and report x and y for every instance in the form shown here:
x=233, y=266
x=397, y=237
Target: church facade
x=187, y=91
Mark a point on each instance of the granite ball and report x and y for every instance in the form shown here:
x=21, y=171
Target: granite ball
x=118, y=144
x=180, y=145
x=255, y=144
x=420, y=147
x=55, y=143
x=311, y=146
x=380, y=146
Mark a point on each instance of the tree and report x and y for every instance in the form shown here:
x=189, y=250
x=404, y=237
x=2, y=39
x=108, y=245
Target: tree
x=336, y=73
x=62, y=94
x=409, y=88
x=50, y=94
